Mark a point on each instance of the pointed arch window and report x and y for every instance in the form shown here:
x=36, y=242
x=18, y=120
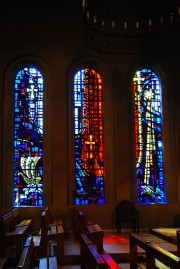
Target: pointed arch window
x=28, y=137
x=89, y=133
x=148, y=122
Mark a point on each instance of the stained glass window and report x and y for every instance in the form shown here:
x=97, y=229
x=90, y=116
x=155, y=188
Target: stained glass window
x=28, y=138
x=148, y=137
x=88, y=127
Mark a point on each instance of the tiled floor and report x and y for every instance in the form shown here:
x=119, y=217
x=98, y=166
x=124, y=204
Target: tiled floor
x=115, y=244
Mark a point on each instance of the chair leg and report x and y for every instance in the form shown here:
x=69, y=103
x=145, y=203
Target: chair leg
x=136, y=227
x=118, y=227
x=119, y=230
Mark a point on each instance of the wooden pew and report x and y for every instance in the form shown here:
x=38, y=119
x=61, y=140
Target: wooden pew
x=37, y=245
x=150, y=256
x=18, y=221
x=94, y=259
x=3, y=263
x=11, y=234
x=54, y=233
x=137, y=257
x=36, y=241
x=40, y=250
x=110, y=262
x=96, y=234
x=80, y=223
x=28, y=259
x=178, y=242
x=156, y=257
x=53, y=220
x=48, y=263
x=169, y=234
x=76, y=224
x=87, y=226
x=91, y=258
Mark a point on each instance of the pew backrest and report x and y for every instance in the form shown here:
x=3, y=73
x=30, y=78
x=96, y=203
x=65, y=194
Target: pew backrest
x=48, y=263
x=94, y=259
x=48, y=215
x=96, y=235
x=44, y=223
x=136, y=241
x=155, y=253
x=51, y=233
x=28, y=259
x=110, y=262
x=6, y=223
x=3, y=263
x=16, y=216
x=25, y=261
x=80, y=223
x=30, y=243
x=178, y=242
x=91, y=258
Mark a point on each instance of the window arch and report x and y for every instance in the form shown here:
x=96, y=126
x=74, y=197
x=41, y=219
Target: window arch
x=149, y=150
x=28, y=137
x=89, y=133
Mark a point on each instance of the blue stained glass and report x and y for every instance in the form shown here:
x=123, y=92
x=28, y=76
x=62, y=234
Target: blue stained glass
x=28, y=138
x=148, y=138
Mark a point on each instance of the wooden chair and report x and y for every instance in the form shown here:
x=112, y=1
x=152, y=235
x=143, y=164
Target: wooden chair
x=127, y=213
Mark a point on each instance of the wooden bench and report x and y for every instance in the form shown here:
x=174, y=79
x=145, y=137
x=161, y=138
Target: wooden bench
x=87, y=226
x=168, y=234
x=37, y=246
x=3, y=263
x=28, y=259
x=80, y=223
x=48, y=263
x=137, y=255
x=11, y=235
x=18, y=221
x=178, y=242
x=171, y=235
x=53, y=220
x=91, y=258
x=54, y=233
x=150, y=255
x=96, y=234
x=157, y=257
x=110, y=262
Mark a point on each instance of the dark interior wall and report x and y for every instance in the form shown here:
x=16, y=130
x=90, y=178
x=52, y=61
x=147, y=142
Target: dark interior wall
x=52, y=38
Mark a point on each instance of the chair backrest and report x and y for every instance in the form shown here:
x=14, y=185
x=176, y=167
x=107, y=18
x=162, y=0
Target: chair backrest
x=125, y=208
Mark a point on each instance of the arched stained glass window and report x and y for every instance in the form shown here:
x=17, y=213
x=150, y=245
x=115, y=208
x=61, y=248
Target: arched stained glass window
x=28, y=137
x=88, y=127
x=148, y=137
